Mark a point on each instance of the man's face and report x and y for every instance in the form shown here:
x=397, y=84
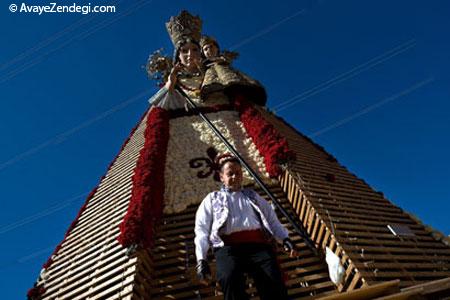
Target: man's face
x=231, y=176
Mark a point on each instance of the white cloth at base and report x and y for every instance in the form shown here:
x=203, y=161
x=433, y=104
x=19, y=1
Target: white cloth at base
x=335, y=268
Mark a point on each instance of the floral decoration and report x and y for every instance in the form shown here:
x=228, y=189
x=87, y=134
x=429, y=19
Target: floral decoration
x=208, y=164
x=147, y=196
x=190, y=139
x=35, y=293
x=270, y=143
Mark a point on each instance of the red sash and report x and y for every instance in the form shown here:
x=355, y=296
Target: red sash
x=246, y=236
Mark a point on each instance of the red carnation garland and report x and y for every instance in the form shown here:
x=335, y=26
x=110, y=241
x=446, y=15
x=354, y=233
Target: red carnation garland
x=37, y=291
x=270, y=143
x=147, y=196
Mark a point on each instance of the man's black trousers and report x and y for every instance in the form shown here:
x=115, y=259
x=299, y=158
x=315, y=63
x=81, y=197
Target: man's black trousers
x=259, y=261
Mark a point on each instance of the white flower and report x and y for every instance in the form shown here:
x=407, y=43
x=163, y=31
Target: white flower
x=190, y=138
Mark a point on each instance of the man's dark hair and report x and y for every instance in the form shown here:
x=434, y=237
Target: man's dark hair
x=227, y=160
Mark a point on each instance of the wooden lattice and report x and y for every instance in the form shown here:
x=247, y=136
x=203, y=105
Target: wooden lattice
x=344, y=213
x=174, y=262
x=339, y=211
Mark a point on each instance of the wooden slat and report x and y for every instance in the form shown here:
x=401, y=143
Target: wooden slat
x=395, y=250
x=92, y=238
x=367, y=292
x=85, y=263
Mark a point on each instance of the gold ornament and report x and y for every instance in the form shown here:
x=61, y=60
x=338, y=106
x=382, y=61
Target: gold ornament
x=184, y=28
x=158, y=66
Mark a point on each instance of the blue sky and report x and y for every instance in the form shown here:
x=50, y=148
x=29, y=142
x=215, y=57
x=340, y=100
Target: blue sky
x=368, y=81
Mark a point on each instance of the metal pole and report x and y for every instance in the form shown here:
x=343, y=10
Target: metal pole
x=297, y=227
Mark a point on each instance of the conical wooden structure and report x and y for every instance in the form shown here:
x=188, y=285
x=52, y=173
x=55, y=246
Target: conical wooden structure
x=339, y=211
x=133, y=238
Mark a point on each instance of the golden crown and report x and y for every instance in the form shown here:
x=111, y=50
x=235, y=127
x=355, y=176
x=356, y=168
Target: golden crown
x=183, y=28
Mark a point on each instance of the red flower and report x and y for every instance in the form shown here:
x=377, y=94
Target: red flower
x=35, y=292
x=271, y=145
x=147, y=196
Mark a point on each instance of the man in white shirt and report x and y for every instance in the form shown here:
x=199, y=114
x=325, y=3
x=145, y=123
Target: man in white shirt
x=240, y=225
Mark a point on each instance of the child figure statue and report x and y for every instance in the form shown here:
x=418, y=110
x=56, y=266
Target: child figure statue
x=220, y=76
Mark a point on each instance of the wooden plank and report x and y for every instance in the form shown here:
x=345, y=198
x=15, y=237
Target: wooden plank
x=89, y=277
x=403, y=274
x=431, y=287
x=315, y=228
x=303, y=210
x=74, y=276
x=84, y=263
x=400, y=296
x=342, y=183
x=326, y=239
x=117, y=209
x=321, y=234
x=314, y=184
x=120, y=193
x=74, y=290
x=394, y=250
x=410, y=257
x=380, y=224
x=116, y=176
x=364, y=234
x=394, y=242
x=317, y=288
x=98, y=289
x=61, y=262
x=408, y=265
x=112, y=185
x=311, y=219
x=71, y=246
x=389, y=220
x=355, y=282
x=344, y=226
x=369, y=292
x=314, y=167
x=129, y=157
x=305, y=219
x=353, y=205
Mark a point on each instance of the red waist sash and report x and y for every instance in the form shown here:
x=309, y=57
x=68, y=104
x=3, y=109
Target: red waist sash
x=246, y=236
